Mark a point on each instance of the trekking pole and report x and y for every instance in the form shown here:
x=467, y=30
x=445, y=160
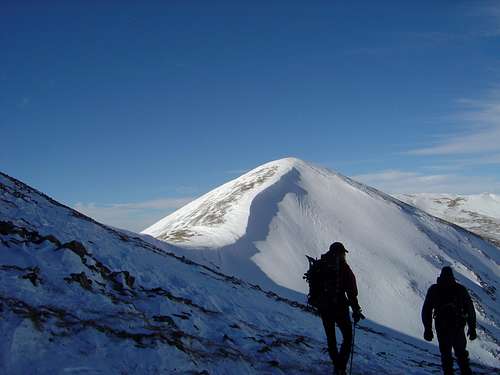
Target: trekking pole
x=352, y=347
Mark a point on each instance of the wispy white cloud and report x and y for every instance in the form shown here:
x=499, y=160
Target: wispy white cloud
x=396, y=181
x=480, y=136
x=476, y=142
x=156, y=204
x=456, y=164
x=132, y=216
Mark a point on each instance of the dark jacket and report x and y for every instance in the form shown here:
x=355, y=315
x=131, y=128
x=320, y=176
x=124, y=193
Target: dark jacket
x=451, y=305
x=343, y=285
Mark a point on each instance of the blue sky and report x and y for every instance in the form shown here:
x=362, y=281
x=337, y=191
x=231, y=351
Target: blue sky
x=127, y=111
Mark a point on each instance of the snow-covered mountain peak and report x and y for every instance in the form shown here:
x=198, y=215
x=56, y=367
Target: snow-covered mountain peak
x=290, y=160
x=219, y=217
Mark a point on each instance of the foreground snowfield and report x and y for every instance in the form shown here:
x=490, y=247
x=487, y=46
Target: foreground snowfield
x=268, y=219
x=79, y=297
x=479, y=213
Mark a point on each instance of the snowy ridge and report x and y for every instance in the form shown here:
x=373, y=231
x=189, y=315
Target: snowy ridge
x=479, y=213
x=219, y=217
x=396, y=250
x=78, y=296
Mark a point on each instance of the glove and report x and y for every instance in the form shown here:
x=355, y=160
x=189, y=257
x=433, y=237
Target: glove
x=357, y=316
x=472, y=334
x=428, y=335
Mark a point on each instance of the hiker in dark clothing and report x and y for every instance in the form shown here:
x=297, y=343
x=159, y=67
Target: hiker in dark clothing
x=339, y=292
x=452, y=307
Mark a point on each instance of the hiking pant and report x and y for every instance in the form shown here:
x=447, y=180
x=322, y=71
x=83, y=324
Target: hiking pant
x=453, y=337
x=342, y=319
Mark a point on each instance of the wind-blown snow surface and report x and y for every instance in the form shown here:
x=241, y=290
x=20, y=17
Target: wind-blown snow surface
x=77, y=296
x=479, y=213
x=396, y=250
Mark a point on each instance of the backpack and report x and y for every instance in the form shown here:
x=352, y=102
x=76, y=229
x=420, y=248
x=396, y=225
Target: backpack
x=323, y=277
x=451, y=308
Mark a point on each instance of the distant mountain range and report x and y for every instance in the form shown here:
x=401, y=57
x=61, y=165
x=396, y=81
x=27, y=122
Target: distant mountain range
x=478, y=213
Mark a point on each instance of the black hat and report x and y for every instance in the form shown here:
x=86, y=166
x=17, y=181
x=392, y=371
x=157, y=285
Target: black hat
x=447, y=273
x=337, y=248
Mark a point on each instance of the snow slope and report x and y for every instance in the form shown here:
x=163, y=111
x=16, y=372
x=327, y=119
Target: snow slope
x=479, y=213
x=226, y=208
x=79, y=297
x=396, y=250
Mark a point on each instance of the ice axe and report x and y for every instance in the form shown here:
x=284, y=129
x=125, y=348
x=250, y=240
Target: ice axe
x=352, y=343
x=352, y=347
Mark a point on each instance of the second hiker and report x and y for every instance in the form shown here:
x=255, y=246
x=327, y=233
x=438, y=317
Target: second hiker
x=452, y=308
